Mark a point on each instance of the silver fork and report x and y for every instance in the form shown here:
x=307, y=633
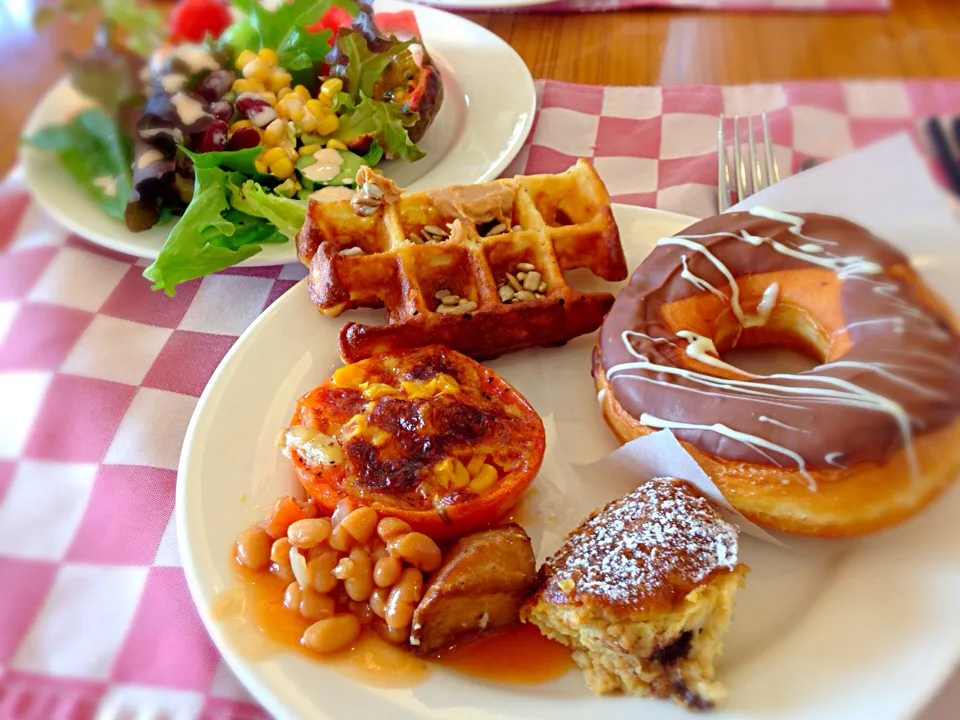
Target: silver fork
x=753, y=173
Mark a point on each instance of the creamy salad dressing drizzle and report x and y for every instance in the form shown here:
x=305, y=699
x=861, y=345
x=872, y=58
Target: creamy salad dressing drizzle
x=810, y=387
x=326, y=166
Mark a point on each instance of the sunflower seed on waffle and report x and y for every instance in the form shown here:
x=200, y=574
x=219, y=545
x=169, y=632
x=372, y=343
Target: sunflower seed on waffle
x=372, y=191
x=434, y=233
x=461, y=306
x=351, y=251
x=367, y=199
x=526, y=267
x=532, y=281
x=497, y=229
x=506, y=293
x=514, y=282
x=523, y=295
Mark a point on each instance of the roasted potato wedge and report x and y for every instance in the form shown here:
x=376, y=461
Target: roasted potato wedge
x=484, y=579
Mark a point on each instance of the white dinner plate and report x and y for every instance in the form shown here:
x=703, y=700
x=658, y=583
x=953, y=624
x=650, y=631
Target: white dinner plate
x=481, y=126
x=822, y=630
x=483, y=4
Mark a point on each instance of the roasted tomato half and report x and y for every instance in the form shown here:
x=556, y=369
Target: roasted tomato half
x=411, y=78
x=426, y=435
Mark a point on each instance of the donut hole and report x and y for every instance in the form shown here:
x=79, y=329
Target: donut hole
x=769, y=360
x=791, y=341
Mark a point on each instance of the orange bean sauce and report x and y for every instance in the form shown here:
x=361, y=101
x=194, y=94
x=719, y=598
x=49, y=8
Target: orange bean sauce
x=253, y=614
x=533, y=658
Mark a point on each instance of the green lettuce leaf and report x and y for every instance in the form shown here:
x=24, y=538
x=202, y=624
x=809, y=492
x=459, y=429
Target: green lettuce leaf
x=284, y=30
x=364, y=67
x=213, y=235
x=343, y=101
x=95, y=153
x=387, y=122
x=239, y=160
x=285, y=214
x=374, y=154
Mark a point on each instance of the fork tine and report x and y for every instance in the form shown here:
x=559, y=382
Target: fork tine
x=755, y=179
x=738, y=165
x=773, y=172
x=723, y=174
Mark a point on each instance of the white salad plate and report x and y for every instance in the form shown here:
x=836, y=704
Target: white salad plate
x=823, y=629
x=483, y=4
x=481, y=126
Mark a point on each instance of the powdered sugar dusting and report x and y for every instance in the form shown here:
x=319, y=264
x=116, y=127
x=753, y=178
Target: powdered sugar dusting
x=655, y=543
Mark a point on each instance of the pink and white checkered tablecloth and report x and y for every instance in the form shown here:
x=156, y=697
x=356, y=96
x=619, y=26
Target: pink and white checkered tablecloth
x=754, y=5
x=99, y=376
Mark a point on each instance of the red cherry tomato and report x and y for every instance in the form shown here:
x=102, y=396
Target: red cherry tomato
x=332, y=20
x=402, y=25
x=192, y=20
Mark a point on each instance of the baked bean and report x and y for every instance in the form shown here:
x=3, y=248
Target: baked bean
x=283, y=571
x=340, y=539
x=292, y=596
x=386, y=571
x=378, y=549
x=298, y=564
x=359, y=583
x=361, y=610
x=361, y=524
x=390, y=527
x=320, y=571
x=253, y=548
x=403, y=599
x=314, y=606
x=280, y=551
x=316, y=552
x=417, y=549
x=398, y=636
x=344, y=507
x=332, y=634
x=357, y=574
x=378, y=601
x=308, y=533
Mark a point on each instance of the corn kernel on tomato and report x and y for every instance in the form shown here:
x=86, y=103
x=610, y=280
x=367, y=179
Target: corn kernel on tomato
x=446, y=425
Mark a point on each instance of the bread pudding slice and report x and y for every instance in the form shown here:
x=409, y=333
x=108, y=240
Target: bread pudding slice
x=642, y=592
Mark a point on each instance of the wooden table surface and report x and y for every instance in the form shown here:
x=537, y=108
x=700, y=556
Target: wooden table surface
x=918, y=38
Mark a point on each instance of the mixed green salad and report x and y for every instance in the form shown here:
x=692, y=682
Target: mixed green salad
x=229, y=119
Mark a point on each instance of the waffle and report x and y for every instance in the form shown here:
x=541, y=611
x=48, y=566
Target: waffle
x=431, y=260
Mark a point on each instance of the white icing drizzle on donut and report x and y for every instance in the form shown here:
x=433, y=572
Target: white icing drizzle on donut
x=703, y=350
x=831, y=459
x=764, y=418
x=899, y=325
x=751, y=441
x=768, y=301
x=698, y=282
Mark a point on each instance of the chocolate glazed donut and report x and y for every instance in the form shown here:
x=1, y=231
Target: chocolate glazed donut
x=861, y=441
